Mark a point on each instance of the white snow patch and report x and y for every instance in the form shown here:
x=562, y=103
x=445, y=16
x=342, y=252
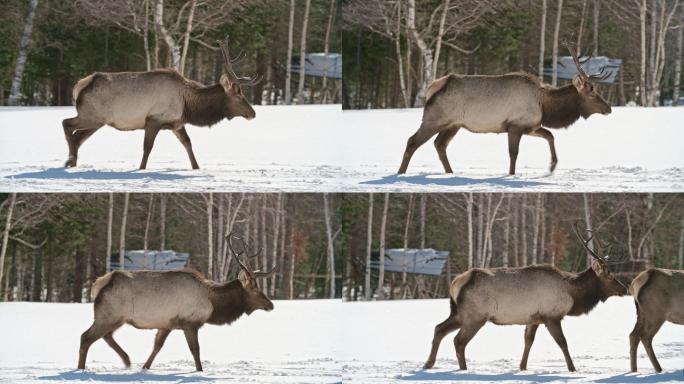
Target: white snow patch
x=321, y=148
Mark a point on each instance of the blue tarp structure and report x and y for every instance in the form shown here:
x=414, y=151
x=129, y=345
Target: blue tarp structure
x=151, y=260
x=315, y=65
x=417, y=261
x=567, y=70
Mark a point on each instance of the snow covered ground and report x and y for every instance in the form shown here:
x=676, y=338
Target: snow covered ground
x=295, y=343
x=330, y=341
x=321, y=148
x=388, y=342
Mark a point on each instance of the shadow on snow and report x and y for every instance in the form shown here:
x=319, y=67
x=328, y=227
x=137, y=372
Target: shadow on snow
x=78, y=375
x=454, y=181
x=423, y=375
x=652, y=378
x=62, y=173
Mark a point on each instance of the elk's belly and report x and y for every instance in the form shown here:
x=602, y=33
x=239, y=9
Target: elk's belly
x=167, y=313
x=526, y=310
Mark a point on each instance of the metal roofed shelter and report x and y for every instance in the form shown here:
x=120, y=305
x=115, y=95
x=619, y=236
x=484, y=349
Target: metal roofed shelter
x=316, y=65
x=416, y=261
x=151, y=260
x=567, y=70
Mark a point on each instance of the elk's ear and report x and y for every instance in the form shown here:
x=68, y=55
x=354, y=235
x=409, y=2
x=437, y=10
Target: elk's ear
x=579, y=83
x=226, y=84
x=600, y=268
x=244, y=278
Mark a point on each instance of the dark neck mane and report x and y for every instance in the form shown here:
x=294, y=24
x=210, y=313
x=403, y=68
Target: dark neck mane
x=204, y=106
x=586, y=292
x=228, y=301
x=560, y=106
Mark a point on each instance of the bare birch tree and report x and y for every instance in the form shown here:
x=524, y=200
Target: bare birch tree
x=15, y=90
x=6, y=233
x=556, y=32
x=122, y=234
x=302, y=54
x=381, y=261
x=288, y=71
x=110, y=220
x=369, y=244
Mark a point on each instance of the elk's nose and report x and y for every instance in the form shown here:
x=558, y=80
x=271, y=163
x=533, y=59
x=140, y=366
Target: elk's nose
x=269, y=307
x=608, y=110
x=250, y=115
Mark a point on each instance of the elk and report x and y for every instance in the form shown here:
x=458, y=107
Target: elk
x=161, y=99
x=517, y=104
x=170, y=300
x=530, y=296
x=659, y=297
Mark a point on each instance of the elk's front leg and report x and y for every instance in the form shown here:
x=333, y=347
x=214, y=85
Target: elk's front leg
x=182, y=135
x=151, y=130
x=548, y=136
x=514, y=136
x=554, y=327
x=193, y=343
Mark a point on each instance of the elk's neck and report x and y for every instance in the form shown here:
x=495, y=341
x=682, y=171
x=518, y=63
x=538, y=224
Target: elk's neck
x=205, y=106
x=586, y=292
x=560, y=106
x=229, y=302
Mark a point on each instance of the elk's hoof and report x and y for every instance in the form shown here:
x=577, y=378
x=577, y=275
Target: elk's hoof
x=70, y=163
x=552, y=167
x=428, y=364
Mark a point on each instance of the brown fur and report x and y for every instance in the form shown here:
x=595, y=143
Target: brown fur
x=166, y=301
x=516, y=104
x=659, y=297
x=151, y=101
x=534, y=295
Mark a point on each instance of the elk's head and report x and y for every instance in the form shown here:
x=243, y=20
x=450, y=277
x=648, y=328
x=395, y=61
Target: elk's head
x=591, y=100
x=236, y=102
x=254, y=297
x=608, y=284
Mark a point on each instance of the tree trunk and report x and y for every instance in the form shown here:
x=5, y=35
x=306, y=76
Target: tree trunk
x=146, y=236
x=425, y=52
x=596, y=9
x=400, y=62
x=162, y=221
x=542, y=39
x=6, y=232
x=681, y=245
x=423, y=213
x=110, y=220
x=210, y=236
x=302, y=54
x=174, y=49
x=276, y=236
x=264, y=236
x=480, y=229
x=523, y=229
x=369, y=244
x=580, y=30
x=146, y=41
x=535, y=229
x=678, y=63
x=642, y=72
x=122, y=234
x=326, y=49
x=329, y=235
x=507, y=233
x=407, y=225
x=469, y=212
x=186, y=36
x=587, y=223
x=381, y=261
x=288, y=72
x=440, y=34
x=15, y=91
x=556, y=32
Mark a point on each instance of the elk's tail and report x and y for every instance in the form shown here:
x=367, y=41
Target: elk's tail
x=103, y=281
x=84, y=82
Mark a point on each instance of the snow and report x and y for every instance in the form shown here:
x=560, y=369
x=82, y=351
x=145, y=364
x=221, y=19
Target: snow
x=294, y=343
x=388, y=342
x=316, y=148
x=329, y=341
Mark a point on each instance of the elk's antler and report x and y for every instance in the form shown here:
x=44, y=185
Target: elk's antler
x=585, y=243
x=244, y=267
x=228, y=63
x=605, y=250
x=602, y=75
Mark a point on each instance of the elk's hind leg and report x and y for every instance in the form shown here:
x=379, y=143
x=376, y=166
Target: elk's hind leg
x=158, y=344
x=441, y=330
x=109, y=338
x=548, y=136
x=182, y=135
x=462, y=339
x=76, y=131
x=554, y=327
x=424, y=133
x=648, y=330
x=91, y=335
x=441, y=142
x=530, y=332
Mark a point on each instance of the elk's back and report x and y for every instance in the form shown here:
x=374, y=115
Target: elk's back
x=512, y=295
x=150, y=299
x=484, y=104
x=125, y=100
